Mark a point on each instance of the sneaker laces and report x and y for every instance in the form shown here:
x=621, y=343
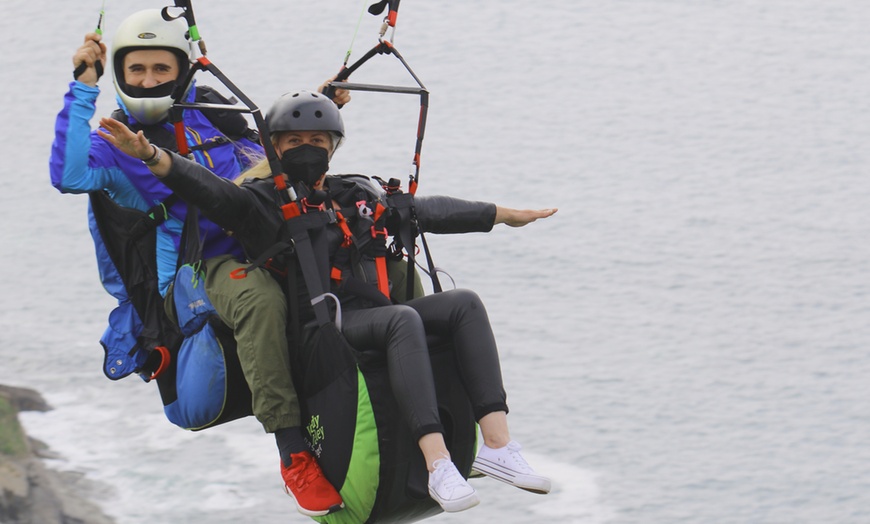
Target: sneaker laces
x=303, y=474
x=513, y=451
x=447, y=474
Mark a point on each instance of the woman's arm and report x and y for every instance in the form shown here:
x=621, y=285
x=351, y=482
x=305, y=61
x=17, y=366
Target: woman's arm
x=220, y=200
x=135, y=145
x=441, y=214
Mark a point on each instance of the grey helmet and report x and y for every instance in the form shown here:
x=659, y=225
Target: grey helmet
x=149, y=30
x=306, y=111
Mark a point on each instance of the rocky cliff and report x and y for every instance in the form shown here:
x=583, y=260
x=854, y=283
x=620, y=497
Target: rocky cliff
x=30, y=493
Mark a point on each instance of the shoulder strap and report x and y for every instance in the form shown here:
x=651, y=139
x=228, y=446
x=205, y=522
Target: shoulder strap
x=230, y=123
x=153, y=217
x=406, y=229
x=190, y=247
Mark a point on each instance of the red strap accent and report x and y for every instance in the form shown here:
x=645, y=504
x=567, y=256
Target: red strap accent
x=204, y=61
x=274, y=269
x=381, y=261
x=379, y=210
x=280, y=183
x=165, y=358
x=412, y=187
x=392, y=18
x=335, y=274
x=181, y=139
x=342, y=223
x=383, y=281
x=239, y=273
x=290, y=210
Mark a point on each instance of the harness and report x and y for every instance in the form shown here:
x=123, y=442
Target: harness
x=362, y=219
x=128, y=236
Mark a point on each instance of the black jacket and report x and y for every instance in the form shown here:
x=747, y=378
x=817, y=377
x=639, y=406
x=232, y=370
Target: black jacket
x=252, y=211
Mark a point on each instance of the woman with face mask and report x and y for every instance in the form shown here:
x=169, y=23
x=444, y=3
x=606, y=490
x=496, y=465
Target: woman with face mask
x=305, y=129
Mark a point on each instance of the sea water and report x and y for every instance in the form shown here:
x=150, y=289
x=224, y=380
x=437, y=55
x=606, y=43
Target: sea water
x=686, y=340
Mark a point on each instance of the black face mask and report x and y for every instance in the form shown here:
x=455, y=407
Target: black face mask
x=305, y=163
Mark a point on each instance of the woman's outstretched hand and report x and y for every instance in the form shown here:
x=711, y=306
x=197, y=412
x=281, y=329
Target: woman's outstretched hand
x=520, y=217
x=135, y=145
x=122, y=137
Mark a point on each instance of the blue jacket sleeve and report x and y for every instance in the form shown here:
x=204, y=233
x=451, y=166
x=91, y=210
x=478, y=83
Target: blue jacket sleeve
x=70, y=167
x=82, y=162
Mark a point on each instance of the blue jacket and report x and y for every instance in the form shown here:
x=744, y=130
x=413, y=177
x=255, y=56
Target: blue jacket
x=81, y=162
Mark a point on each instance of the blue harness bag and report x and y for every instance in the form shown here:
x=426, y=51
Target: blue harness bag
x=206, y=367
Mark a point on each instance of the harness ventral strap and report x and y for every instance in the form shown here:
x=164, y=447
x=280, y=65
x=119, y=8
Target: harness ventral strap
x=311, y=254
x=371, y=242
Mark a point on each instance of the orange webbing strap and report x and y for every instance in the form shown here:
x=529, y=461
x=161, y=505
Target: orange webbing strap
x=383, y=281
x=379, y=211
x=290, y=210
x=342, y=223
x=335, y=272
x=381, y=262
x=181, y=139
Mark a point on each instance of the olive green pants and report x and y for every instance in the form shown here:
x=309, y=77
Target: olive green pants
x=398, y=274
x=255, y=309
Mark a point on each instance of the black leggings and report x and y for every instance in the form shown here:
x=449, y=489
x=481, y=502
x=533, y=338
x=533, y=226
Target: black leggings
x=400, y=331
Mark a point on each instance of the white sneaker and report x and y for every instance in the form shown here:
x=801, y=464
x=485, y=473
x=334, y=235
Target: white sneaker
x=507, y=465
x=449, y=489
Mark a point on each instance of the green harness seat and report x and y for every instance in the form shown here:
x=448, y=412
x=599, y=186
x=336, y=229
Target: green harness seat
x=361, y=440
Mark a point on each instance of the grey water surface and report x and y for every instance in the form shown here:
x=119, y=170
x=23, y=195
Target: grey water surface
x=686, y=340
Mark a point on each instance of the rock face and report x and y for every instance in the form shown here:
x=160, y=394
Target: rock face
x=30, y=493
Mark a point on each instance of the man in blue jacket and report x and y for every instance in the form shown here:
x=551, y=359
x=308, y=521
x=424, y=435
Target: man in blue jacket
x=149, y=55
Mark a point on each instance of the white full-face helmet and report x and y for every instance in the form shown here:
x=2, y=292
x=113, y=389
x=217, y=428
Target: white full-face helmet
x=149, y=30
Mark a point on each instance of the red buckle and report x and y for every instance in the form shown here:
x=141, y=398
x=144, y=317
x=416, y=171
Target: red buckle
x=308, y=207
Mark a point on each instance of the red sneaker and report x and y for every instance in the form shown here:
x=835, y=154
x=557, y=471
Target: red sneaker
x=304, y=481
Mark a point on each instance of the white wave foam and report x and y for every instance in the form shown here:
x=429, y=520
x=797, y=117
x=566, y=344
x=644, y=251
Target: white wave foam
x=575, y=498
